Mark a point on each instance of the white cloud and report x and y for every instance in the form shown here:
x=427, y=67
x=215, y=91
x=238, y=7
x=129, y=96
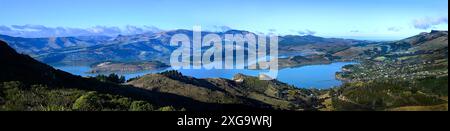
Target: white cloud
x=272, y=30
x=428, y=22
x=394, y=29
x=4, y=28
x=306, y=32
x=355, y=31
x=221, y=28
x=34, y=31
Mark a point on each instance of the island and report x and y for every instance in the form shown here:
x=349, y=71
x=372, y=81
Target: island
x=126, y=67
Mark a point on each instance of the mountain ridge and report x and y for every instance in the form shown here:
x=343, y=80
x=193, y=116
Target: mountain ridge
x=149, y=46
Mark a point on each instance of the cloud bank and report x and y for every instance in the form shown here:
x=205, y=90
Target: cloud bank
x=394, y=29
x=428, y=22
x=306, y=32
x=36, y=31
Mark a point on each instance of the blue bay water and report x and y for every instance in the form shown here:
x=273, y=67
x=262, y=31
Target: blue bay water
x=312, y=76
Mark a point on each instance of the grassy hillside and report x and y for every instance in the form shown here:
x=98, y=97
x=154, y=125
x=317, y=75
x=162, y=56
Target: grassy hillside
x=242, y=90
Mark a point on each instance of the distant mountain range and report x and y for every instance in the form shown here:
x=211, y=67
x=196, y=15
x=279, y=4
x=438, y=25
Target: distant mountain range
x=421, y=43
x=35, y=46
x=148, y=46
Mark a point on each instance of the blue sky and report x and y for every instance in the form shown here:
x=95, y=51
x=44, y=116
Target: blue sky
x=365, y=19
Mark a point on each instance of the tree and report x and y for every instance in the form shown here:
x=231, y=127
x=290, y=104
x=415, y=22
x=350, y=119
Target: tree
x=113, y=78
x=141, y=106
x=88, y=102
x=167, y=108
